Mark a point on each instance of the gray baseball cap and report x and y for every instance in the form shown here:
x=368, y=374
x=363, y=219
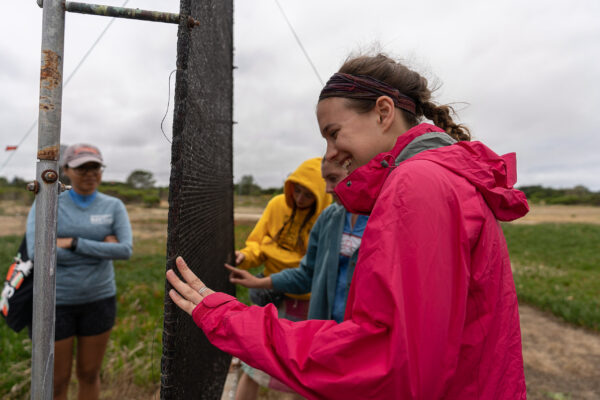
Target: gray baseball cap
x=79, y=154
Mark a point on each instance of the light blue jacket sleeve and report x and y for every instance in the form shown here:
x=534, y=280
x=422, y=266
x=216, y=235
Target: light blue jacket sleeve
x=87, y=248
x=299, y=280
x=30, y=232
x=65, y=256
x=103, y=250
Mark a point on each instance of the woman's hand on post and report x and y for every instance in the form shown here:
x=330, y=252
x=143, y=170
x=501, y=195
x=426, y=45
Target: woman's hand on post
x=239, y=257
x=189, y=293
x=246, y=279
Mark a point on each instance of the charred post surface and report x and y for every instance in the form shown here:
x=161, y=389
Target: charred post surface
x=200, y=226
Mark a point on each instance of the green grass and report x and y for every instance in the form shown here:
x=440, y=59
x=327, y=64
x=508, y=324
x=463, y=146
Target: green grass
x=136, y=341
x=557, y=268
x=241, y=233
x=259, y=201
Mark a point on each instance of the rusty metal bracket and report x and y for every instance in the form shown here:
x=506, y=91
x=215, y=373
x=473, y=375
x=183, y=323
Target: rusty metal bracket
x=49, y=152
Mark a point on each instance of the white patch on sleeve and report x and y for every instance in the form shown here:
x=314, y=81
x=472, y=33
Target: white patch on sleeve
x=101, y=219
x=350, y=243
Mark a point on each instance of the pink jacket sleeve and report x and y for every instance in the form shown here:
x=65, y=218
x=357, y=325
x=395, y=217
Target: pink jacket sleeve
x=406, y=307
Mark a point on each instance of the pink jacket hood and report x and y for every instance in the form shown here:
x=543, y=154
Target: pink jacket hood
x=492, y=175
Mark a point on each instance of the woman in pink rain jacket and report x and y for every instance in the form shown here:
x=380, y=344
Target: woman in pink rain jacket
x=432, y=310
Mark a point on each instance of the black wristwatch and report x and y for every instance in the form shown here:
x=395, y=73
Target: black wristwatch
x=73, y=244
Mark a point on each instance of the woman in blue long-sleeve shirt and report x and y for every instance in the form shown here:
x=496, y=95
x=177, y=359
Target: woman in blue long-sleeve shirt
x=92, y=230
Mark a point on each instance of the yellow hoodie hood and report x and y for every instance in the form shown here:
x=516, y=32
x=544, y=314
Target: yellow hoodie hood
x=308, y=174
x=262, y=245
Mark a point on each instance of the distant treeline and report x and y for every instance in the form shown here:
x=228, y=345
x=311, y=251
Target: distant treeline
x=139, y=189
x=247, y=187
x=577, y=195
x=149, y=197
x=15, y=190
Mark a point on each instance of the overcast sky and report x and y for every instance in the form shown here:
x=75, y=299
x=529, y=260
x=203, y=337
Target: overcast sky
x=524, y=76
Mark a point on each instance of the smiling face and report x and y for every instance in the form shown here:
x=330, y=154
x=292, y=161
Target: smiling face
x=353, y=138
x=86, y=178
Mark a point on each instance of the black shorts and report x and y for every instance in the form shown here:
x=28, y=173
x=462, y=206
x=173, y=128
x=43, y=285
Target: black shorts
x=87, y=319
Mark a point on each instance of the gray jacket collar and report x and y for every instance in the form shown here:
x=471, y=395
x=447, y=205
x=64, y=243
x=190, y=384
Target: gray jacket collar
x=427, y=141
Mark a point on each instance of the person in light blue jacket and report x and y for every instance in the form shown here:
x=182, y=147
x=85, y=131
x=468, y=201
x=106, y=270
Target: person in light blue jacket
x=328, y=265
x=92, y=230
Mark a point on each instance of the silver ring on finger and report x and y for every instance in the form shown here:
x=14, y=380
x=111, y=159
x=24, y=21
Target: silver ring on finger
x=202, y=289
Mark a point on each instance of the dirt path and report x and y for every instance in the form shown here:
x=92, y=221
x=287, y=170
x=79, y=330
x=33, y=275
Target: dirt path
x=561, y=361
x=561, y=214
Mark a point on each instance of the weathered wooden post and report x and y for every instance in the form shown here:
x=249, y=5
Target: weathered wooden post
x=201, y=193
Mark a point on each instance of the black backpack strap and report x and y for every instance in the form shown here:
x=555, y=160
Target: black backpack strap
x=23, y=249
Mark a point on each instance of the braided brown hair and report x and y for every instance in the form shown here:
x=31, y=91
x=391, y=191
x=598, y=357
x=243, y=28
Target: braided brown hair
x=300, y=245
x=409, y=83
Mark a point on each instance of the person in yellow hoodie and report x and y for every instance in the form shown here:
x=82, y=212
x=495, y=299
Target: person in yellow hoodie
x=279, y=241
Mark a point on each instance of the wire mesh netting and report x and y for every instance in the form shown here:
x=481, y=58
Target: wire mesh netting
x=201, y=192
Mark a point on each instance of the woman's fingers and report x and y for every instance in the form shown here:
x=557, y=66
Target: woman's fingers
x=231, y=268
x=184, y=290
x=241, y=277
x=111, y=239
x=64, y=243
x=192, y=280
x=239, y=257
x=192, y=290
x=182, y=303
x=236, y=273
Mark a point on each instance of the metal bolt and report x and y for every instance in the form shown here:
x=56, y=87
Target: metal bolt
x=33, y=187
x=192, y=22
x=49, y=176
x=62, y=187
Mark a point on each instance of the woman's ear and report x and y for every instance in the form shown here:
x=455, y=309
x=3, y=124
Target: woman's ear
x=385, y=110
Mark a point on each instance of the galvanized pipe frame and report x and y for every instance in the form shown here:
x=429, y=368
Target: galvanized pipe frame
x=47, y=187
x=44, y=281
x=122, y=12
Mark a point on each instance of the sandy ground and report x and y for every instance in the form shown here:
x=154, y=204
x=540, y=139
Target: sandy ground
x=150, y=222
x=561, y=214
x=561, y=361
x=146, y=222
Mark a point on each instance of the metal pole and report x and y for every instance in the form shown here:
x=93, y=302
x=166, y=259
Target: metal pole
x=44, y=282
x=130, y=13
x=120, y=12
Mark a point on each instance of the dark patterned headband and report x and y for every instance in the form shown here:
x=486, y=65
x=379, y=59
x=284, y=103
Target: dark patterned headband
x=363, y=87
